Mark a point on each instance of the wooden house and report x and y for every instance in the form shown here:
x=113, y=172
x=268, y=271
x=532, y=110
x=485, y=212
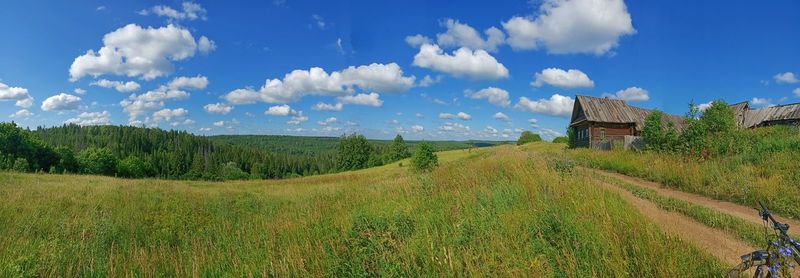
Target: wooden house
x=787, y=114
x=604, y=122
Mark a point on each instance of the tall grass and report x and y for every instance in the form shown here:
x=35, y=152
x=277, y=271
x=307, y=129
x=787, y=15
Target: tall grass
x=493, y=212
x=757, y=165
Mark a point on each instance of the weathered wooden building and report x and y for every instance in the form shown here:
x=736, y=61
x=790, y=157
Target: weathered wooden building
x=604, y=122
x=788, y=114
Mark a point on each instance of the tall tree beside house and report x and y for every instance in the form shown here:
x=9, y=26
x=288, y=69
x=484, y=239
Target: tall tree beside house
x=398, y=149
x=692, y=139
x=718, y=118
x=528, y=137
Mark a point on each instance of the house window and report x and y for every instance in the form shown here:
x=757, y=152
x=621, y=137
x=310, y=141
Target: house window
x=602, y=133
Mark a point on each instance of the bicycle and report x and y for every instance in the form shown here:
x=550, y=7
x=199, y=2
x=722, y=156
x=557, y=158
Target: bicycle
x=782, y=253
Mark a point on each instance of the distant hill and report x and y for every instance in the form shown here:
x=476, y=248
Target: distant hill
x=308, y=145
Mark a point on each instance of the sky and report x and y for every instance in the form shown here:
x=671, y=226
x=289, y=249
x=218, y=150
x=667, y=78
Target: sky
x=424, y=69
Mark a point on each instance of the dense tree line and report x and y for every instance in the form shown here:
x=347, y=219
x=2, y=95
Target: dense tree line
x=149, y=152
x=356, y=152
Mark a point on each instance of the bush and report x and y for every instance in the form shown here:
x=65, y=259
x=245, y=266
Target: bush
x=718, y=118
x=424, y=158
x=354, y=152
x=99, y=161
x=133, y=167
x=230, y=171
x=528, y=137
x=561, y=139
x=398, y=149
x=21, y=165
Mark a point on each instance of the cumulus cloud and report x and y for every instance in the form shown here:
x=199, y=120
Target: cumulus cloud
x=786, y=78
x=703, y=106
x=79, y=91
x=321, y=106
x=563, y=79
x=533, y=122
x=387, y=78
x=135, y=51
x=502, y=117
x=459, y=115
x=190, y=83
x=796, y=92
x=123, y=87
x=371, y=99
x=572, y=26
x=473, y=64
x=427, y=81
x=91, y=118
x=61, y=102
x=191, y=11
x=169, y=115
x=327, y=121
x=219, y=123
x=549, y=133
x=137, y=105
x=218, y=108
x=20, y=95
x=454, y=127
x=417, y=40
x=297, y=118
x=495, y=96
x=417, y=128
x=630, y=94
x=556, y=105
x=462, y=35
x=279, y=110
x=762, y=102
x=22, y=114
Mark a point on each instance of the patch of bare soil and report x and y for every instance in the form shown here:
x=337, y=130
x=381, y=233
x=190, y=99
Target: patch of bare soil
x=744, y=212
x=712, y=241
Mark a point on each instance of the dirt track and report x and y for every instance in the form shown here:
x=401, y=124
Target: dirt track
x=743, y=212
x=712, y=241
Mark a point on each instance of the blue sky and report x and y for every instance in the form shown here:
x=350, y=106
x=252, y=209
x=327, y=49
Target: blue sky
x=476, y=70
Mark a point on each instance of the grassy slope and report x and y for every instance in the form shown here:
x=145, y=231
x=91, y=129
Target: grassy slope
x=494, y=211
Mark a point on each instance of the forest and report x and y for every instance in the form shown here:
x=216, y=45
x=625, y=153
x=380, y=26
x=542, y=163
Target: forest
x=136, y=152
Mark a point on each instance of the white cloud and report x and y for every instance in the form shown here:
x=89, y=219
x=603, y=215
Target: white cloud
x=279, y=110
x=533, y=122
x=785, y=78
x=60, y=102
x=219, y=123
x=123, y=87
x=218, y=108
x=563, y=79
x=137, y=105
x=495, y=96
x=427, y=81
x=418, y=115
x=630, y=94
x=21, y=114
x=417, y=128
x=462, y=35
x=417, y=40
x=327, y=121
x=703, y=106
x=18, y=94
x=319, y=21
x=762, y=102
x=205, y=45
x=459, y=115
x=297, y=118
x=477, y=64
x=371, y=99
x=572, y=26
x=502, y=117
x=549, y=133
x=169, y=114
x=91, y=118
x=321, y=106
x=191, y=11
x=454, y=127
x=557, y=105
x=191, y=83
x=136, y=51
x=79, y=91
x=796, y=92
x=315, y=81
x=204, y=129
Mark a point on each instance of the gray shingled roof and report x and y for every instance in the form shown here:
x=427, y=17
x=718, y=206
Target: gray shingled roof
x=609, y=110
x=761, y=116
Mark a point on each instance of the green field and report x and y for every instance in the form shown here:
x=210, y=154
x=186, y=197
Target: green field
x=498, y=211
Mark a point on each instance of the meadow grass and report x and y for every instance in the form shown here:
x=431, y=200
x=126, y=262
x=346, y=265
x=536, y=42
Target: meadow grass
x=751, y=233
x=499, y=211
x=744, y=167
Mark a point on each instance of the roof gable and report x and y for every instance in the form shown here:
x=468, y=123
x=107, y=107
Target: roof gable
x=609, y=110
